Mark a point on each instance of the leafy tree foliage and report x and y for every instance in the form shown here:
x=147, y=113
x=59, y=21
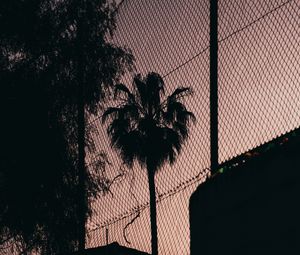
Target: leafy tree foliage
x=40, y=55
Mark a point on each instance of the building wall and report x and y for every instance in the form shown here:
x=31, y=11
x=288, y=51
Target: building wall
x=251, y=209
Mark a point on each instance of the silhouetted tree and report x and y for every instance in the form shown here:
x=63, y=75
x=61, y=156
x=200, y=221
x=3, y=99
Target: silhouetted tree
x=148, y=128
x=45, y=57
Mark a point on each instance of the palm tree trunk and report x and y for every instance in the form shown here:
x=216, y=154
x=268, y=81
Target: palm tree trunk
x=151, y=175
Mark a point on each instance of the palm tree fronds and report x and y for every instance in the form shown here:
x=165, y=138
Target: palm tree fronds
x=181, y=129
x=191, y=116
x=118, y=127
x=155, y=82
x=129, y=111
x=155, y=89
x=174, y=111
x=185, y=117
x=121, y=88
x=141, y=89
x=181, y=91
x=111, y=111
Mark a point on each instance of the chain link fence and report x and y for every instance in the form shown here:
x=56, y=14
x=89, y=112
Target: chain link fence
x=258, y=101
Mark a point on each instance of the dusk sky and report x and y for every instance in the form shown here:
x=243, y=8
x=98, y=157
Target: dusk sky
x=258, y=100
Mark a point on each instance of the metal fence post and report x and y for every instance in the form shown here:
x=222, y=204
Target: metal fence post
x=214, y=85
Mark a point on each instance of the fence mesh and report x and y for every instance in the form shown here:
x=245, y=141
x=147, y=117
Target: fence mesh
x=258, y=101
x=159, y=33
x=258, y=74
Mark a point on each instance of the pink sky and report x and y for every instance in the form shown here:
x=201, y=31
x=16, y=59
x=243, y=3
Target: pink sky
x=258, y=98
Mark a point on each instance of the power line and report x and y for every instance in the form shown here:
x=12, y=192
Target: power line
x=229, y=36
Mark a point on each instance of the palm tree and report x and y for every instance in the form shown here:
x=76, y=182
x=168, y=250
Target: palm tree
x=149, y=128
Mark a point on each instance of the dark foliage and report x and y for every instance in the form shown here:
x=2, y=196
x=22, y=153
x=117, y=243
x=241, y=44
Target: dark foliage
x=40, y=54
x=147, y=126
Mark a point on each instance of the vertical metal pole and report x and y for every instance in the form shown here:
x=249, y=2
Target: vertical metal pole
x=81, y=170
x=106, y=235
x=214, y=85
x=81, y=128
